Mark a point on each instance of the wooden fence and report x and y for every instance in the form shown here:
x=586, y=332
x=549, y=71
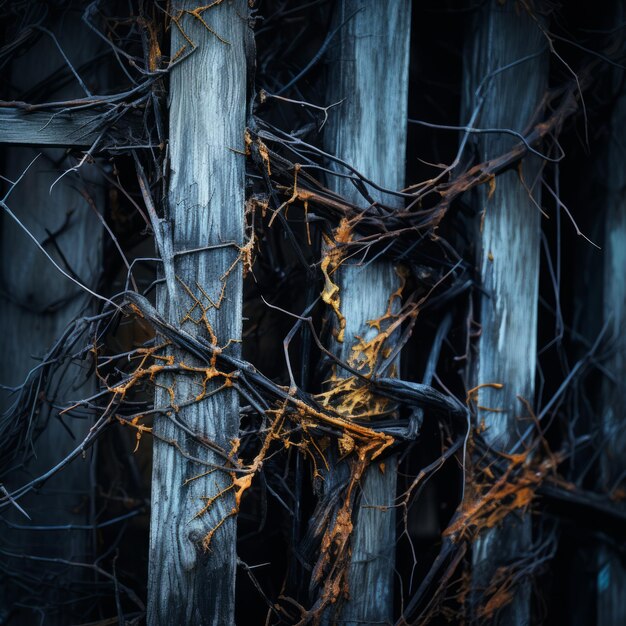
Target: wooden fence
x=416, y=297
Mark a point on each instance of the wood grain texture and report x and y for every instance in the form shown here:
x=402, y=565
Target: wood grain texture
x=187, y=583
x=79, y=129
x=508, y=255
x=611, y=580
x=368, y=67
x=36, y=304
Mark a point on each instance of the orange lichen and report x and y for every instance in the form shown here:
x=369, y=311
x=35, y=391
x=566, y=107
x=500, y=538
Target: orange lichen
x=197, y=14
x=335, y=553
x=155, y=55
x=492, y=501
x=352, y=398
x=140, y=428
x=368, y=354
x=331, y=260
x=247, y=250
x=358, y=445
x=330, y=295
x=265, y=156
x=294, y=194
x=346, y=444
x=495, y=603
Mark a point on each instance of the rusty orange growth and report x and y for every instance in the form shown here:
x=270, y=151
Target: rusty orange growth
x=514, y=490
x=140, y=428
x=358, y=444
x=142, y=372
x=333, y=258
x=352, y=397
x=155, y=55
x=358, y=432
x=165, y=363
x=242, y=483
x=203, y=320
x=294, y=195
x=500, y=591
x=264, y=152
x=335, y=553
x=246, y=251
x=361, y=443
x=472, y=396
x=366, y=355
x=306, y=195
x=196, y=14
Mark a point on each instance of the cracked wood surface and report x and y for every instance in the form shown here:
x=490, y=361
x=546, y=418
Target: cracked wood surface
x=78, y=129
x=508, y=243
x=188, y=582
x=368, y=67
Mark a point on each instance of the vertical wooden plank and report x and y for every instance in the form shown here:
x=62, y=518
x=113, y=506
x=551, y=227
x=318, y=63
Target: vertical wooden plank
x=369, y=68
x=611, y=580
x=509, y=240
x=36, y=304
x=190, y=582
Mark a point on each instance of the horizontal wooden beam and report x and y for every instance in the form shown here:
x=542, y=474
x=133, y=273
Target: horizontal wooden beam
x=80, y=128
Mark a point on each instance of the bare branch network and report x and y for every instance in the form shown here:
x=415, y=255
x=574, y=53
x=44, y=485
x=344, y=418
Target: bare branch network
x=350, y=269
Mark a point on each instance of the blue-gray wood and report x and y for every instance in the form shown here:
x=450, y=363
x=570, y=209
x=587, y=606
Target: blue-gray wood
x=611, y=579
x=505, y=77
x=368, y=68
x=191, y=582
x=36, y=304
x=79, y=129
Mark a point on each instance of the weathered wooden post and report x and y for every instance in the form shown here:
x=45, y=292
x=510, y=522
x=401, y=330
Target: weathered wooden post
x=368, y=67
x=611, y=581
x=192, y=580
x=505, y=75
x=36, y=304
